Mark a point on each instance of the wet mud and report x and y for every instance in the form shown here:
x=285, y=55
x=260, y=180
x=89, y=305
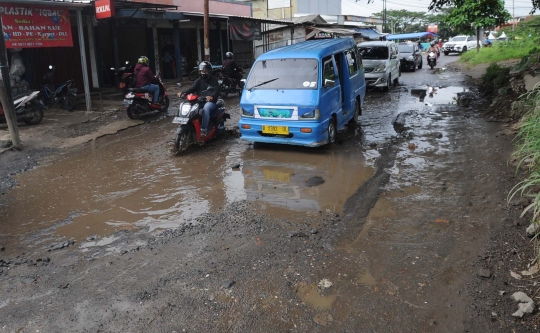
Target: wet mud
x=377, y=233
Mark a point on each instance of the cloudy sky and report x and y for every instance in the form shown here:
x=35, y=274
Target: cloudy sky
x=362, y=8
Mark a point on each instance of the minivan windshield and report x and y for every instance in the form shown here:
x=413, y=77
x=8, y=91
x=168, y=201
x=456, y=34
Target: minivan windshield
x=405, y=48
x=458, y=39
x=297, y=73
x=373, y=52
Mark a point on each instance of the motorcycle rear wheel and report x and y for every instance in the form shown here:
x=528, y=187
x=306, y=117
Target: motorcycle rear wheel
x=132, y=113
x=34, y=115
x=165, y=105
x=69, y=101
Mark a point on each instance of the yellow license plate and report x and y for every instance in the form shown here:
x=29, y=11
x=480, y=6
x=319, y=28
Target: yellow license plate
x=267, y=129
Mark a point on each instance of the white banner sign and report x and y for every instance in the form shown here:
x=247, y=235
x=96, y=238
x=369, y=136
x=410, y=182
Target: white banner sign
x=273, y=4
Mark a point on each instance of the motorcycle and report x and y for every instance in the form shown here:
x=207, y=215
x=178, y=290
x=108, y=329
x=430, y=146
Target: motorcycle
x=65, y=95
x=124, y=76
x=228, y=86
x=138, y=102
x=28, y=109
x=189, y=118
x=432, y=59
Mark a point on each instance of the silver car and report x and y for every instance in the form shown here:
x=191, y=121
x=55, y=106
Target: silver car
x=381, y=63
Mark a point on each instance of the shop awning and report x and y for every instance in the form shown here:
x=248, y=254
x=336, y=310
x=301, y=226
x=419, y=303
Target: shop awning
x=369, y=33
x=337, y=31
x=413, y=35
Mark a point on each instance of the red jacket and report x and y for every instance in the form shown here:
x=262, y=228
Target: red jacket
x=143, y=75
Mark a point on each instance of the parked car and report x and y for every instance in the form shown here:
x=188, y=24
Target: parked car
x=381, y=63
x=460, y=44
x=410, y=56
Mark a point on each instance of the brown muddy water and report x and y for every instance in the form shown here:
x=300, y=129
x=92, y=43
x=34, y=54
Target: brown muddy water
x=125, y=182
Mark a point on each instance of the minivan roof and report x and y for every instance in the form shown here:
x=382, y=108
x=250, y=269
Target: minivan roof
x=310, y=49
x=376, y=43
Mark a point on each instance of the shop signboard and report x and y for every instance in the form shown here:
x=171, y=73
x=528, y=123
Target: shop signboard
x=433, y=28
x=35, y=26
x=104, y=9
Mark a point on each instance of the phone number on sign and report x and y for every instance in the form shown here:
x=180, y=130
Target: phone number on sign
x=26, y=44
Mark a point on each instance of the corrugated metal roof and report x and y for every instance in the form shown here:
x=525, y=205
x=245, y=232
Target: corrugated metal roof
x=309, y=48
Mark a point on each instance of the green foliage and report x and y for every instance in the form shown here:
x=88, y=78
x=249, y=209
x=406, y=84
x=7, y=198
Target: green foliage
x=495, y=78
x=404, y=21
x=479, y=13
x=528, y=151
x=501, y=50
x=439, y=4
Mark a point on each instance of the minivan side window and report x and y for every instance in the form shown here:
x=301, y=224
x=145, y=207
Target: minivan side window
x=351, y=61
x=328, y=69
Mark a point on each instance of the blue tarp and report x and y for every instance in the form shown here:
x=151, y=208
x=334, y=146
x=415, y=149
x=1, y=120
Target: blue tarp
x=368, y=33
x=414, y=35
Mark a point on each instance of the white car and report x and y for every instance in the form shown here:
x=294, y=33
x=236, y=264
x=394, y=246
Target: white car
x=460, y=44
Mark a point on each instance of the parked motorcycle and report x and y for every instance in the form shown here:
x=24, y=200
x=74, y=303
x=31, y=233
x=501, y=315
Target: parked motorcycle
x=28, y=109
x=138, y=102
x=124, y=76
x=189, y=118
x=432, y=59
x=228, y=86
x=65, y=95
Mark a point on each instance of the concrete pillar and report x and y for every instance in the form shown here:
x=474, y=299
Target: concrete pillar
x=177, y=51
x=92, y=51
x=199, y=42
x=83, y=61
x=156, y=49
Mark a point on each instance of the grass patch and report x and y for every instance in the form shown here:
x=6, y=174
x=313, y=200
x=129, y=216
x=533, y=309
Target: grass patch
x=528, y=151
x=513, y=49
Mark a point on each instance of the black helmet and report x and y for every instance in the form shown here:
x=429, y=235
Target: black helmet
x=205, y=69
x=229, y=55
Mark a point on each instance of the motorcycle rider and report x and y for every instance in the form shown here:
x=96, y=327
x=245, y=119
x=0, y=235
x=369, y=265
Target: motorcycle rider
x=433, y=48
x=201, y=84
x=144, y=78
x=230, y=68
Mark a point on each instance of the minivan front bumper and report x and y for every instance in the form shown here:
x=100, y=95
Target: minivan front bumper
x=376, y=80
x=317, y=137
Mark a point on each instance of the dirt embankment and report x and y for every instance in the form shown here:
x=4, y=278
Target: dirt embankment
x=510, y=261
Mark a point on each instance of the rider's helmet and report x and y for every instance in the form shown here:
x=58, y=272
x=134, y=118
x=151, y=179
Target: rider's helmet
x=229, y=55
x=205, y=69
x=143, y=60
x=432, y=43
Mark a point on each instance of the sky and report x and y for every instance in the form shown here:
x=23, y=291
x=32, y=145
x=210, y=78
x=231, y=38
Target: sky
x=362, y=8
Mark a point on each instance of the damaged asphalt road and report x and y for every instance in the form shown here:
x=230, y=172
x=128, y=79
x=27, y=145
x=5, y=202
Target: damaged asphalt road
x=380, y=232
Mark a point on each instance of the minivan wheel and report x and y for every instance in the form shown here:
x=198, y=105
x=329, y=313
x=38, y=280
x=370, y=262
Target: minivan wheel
x=357, y=112
x=464, y=49
x=388, y=82
x=332, y=131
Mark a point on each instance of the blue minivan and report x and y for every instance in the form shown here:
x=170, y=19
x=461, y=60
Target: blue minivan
x=304, y=93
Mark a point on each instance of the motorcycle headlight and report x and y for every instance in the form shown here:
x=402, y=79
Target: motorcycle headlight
x=130, y=95
x=380, y=69
x=410, y=58
x=313, y=114
x=246, y=114
x=184, y=109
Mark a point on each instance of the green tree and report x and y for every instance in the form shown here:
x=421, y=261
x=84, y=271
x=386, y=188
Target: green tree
x=439, y=4
x=479, y=13
x=403, y=21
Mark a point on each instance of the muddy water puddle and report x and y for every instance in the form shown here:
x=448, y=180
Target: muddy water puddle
x=132, y=183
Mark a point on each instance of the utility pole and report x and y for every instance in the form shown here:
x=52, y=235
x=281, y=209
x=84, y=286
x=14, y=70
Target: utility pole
x=206, y=31
x=6, y=97
x=513, y=16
